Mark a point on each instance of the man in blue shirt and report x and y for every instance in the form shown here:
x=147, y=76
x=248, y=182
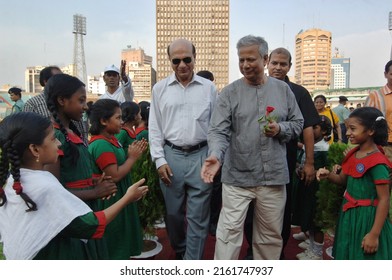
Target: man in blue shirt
x=342, y=112
x=16, y=96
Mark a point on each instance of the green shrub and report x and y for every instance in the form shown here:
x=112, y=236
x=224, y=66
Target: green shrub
x=152, y=207
x=329, y=196
x=1, y=252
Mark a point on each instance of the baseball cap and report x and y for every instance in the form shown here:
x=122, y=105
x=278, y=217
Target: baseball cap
x=343, y=98
x=112, y=68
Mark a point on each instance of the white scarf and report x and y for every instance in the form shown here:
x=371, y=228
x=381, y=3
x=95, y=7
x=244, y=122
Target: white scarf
x=23, y=233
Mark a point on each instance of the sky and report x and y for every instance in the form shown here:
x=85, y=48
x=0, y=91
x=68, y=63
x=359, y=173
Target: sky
x=40, y=32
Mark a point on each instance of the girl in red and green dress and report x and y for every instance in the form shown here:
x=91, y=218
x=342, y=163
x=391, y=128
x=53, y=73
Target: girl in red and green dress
x=364, y=231
x=66, y=100
x=130, y=115
x=39, y=219
x=124, y=234
x=142, y=129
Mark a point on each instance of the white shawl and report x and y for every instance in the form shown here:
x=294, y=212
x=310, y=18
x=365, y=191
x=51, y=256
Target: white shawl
x=23, y=233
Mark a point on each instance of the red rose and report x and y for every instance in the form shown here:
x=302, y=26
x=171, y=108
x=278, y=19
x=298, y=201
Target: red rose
x=269, y=109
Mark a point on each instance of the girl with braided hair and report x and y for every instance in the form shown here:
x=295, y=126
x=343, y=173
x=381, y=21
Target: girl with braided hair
x=130, y=115
x=39, y=219
x=66, y=100
x=363, y=230
x=142, y=128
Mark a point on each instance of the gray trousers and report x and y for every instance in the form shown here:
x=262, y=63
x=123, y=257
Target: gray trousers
x=187, y=202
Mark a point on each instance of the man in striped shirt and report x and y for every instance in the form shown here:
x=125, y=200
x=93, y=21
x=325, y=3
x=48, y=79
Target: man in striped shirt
x=382, y=100
x=37, y=104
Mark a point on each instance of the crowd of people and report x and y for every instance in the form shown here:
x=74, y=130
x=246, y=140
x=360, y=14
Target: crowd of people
x=244, y=161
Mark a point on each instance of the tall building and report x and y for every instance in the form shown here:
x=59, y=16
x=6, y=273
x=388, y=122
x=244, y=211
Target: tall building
x=95, y=85
x=143, y=76
x=206, y=24
x=32, y=77
x=313, y=59
x=135, y=55
x=340, y=73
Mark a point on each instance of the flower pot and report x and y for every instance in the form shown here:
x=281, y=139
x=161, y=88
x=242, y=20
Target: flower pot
x=151, y=248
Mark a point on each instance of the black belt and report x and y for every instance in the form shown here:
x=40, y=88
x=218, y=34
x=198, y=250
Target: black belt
x=186, y=149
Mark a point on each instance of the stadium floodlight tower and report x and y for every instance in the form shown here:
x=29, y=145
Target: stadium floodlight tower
x=390, y=28
x=79, y=63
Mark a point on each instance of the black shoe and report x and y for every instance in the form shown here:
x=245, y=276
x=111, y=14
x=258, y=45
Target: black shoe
x=180, y=255
x=249, y=254
x=248, y=257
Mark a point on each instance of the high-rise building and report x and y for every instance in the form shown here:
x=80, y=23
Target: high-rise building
x=206, y=24
x=135, y=55
x=313, y=59
x=340, y=73
x=32, y=77
x=143, y=76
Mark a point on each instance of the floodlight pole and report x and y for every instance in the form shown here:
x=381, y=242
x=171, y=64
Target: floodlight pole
x=79, y=67
x=390, y=29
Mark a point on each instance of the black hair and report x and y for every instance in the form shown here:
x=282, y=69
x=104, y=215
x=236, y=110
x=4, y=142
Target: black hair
x=325, y=125
x=320, y=96
x=63, y=85
x=101, y=109
x=372, y=119
x=281, y=51
x=206, y=74
x=389, y=64
x=129, y=111
x=145, y=111
x=46, y=73
x=15, y=90
x=17, y=132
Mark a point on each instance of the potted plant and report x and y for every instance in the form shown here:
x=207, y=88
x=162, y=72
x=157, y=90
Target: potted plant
x=152, y=207
x=330, y=196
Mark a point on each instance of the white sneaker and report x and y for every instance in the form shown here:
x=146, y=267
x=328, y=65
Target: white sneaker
x=300, y=236
x=304, y=244
x=303, y=255
x=313, y=256
x=309, y=255
x=328, y=251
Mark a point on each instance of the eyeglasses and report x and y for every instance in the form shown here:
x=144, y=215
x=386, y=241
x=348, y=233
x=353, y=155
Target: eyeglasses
x=186, y=60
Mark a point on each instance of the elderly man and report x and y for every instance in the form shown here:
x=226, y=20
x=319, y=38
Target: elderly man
x=253, y=119
x=181, y=108
x=279, y=64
